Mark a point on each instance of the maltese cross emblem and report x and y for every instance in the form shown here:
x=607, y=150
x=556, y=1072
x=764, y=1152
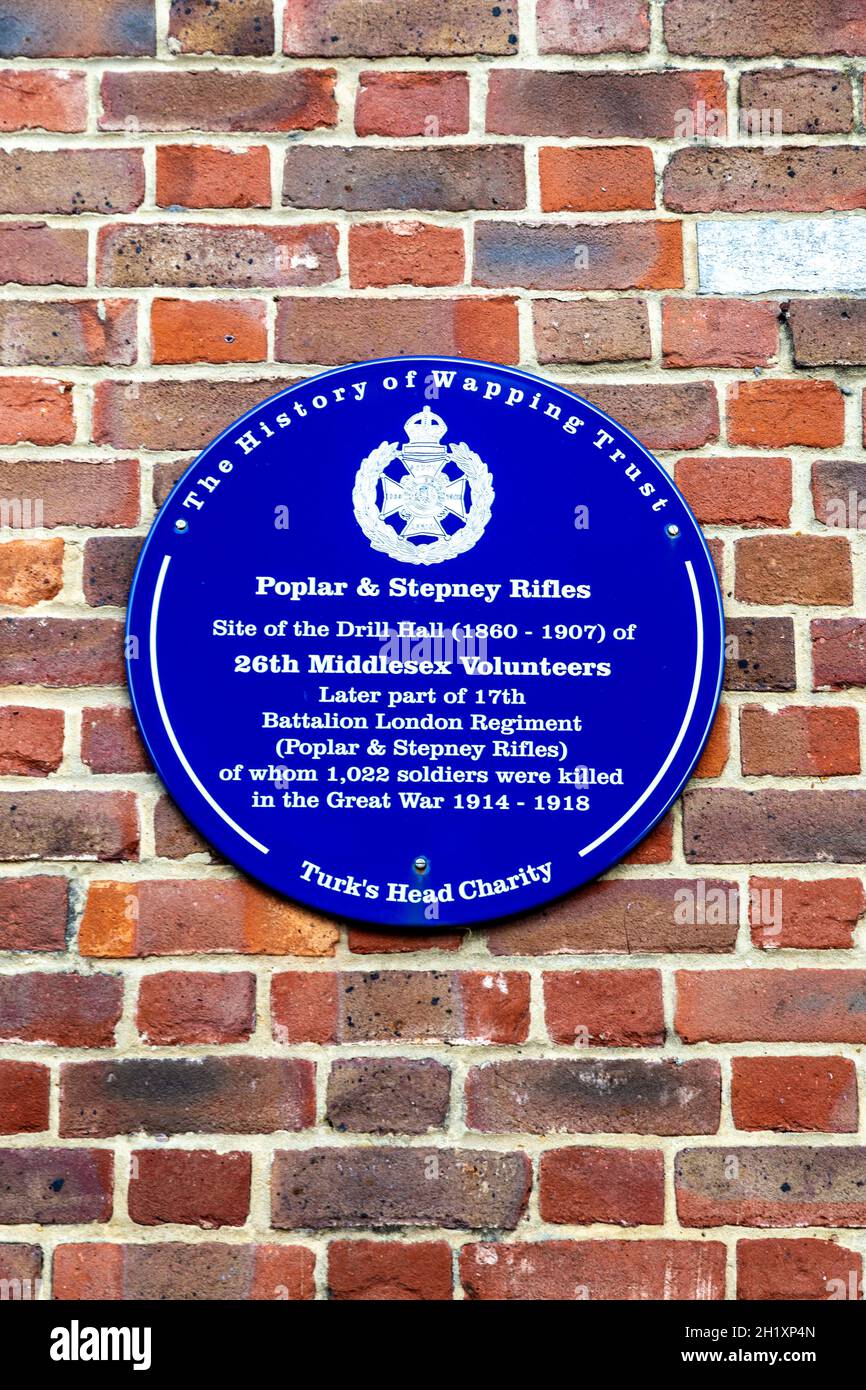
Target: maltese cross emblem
x=423, y=502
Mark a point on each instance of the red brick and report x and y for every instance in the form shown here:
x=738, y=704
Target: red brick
x=363, y=178
x=71, y=181
x=596, y=180
x=581, y=256
x=186, y=1006
x=210, y=1095
x=594, y=1269
x=396, y=28
x=809, y=1094
x=799, y=741
x=719, y=333
x=70, y=492
x=812, y=915
x=612, y=26
x=382, y=1187
x=189, y=1187
x=187, y=916
x=174, y=836
x=791, y=28
x=299, y=99
x=24, y=1088
x=213, y=176
x=68, y=825
x=198, y=330
x=90, y=29
x=681, y=415
x=622, y=1187
x=389, y=1271
x=617, y=916
x=31, y=740
x=30, y=572
x=174, y=414
x=35, y=410
x=771, y=1185
x=591, y=330
x=198, y=255
x=828, y=332
x=599, y=105
x=110, y=741
x=838, y=653
x=737, y=491
x=182, y=1270
x=50, y=1187
x=43, y=100
x=793, y=178
x=605, y=1008
x=794, y=569
x=412, y=103
x=33, y=913
x=241, y=28
x=729, y=826
x=409, y=1005
x=657, y=847
x=365, y=941
x=32, y=253
x=61, y=651
x=809, y=101
x=65, y=1009
x=775, y=414
x=797, y=1270
x=571, y=1096
x=405, y=253
x=331, y=330
x=803, y=1005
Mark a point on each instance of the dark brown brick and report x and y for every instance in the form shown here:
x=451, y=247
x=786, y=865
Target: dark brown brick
x=811, y=101
x=330, y=330
x=589, y=330
x=792, y=178
x=65, y=1009
x=55, y=1186
x=385, y=1187
x=790, y=28
x=174, y=414
x=109, y=564
x=216, y=1095
x=727, y=826
x=70, y=492
x=61, y=651
x=605, y=1097
x=89, y=29
x=599, y=105
x=579, y=256
x=684, y=415
x=214, y=100
x=183, y=1271
x=452, y=177
x=68, y=825
x=32, y=253
x=828, y=332
x=82, y=332
x=33, y=912
x=759, y=654
x=388, y=1095
x=839, y=493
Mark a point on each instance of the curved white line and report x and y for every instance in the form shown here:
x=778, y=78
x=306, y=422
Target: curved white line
x=699, y=655
x=157, y=688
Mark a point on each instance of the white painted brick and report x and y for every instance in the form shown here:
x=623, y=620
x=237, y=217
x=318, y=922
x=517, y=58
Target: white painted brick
x=754, y=254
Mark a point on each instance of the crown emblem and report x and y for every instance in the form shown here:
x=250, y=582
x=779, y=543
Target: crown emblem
x=442, y=495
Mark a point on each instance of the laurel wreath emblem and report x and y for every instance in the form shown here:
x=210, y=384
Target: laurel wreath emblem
x=383, y=537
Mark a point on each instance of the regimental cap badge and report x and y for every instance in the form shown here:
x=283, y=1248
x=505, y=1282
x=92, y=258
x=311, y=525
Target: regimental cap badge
x=423, y=502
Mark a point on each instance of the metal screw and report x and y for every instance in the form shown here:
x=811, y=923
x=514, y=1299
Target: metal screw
x=421, y=864
x=673, y=530
x=181, y=525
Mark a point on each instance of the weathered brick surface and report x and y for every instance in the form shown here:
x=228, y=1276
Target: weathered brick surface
x=657, y=205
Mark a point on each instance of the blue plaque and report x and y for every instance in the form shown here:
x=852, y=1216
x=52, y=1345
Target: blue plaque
x=425, y=640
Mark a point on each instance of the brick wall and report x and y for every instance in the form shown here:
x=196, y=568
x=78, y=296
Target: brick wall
x=653, y=1088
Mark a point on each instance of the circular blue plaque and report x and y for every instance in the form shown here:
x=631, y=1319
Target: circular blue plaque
x=425, y=641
